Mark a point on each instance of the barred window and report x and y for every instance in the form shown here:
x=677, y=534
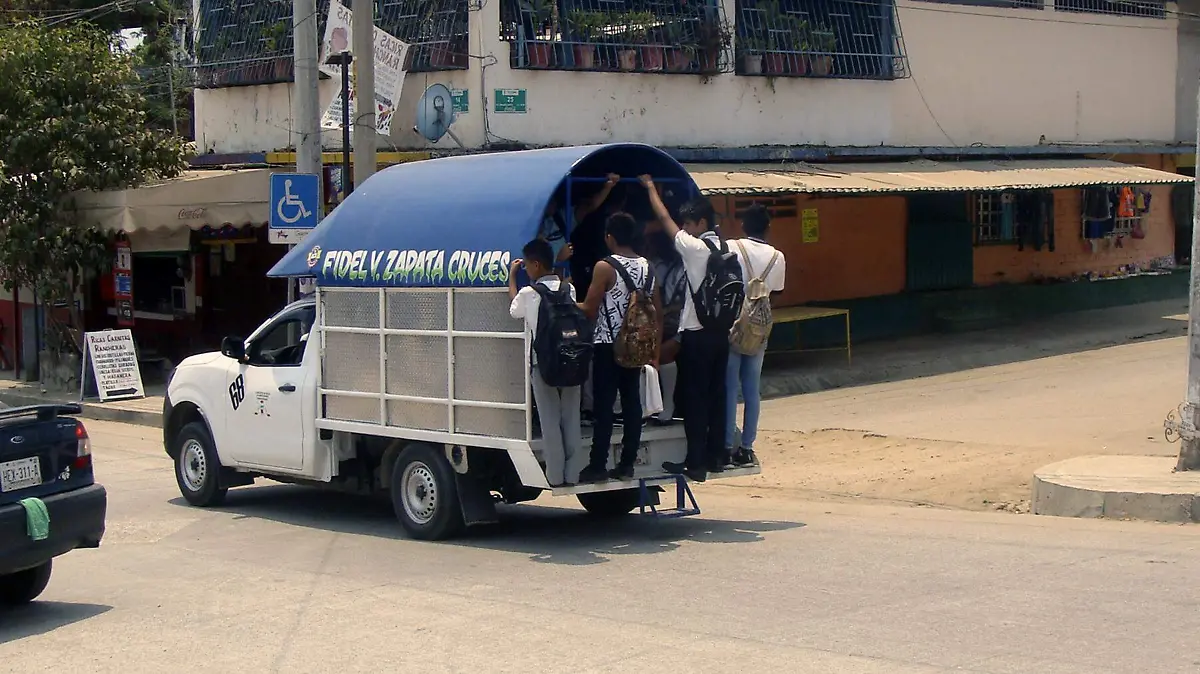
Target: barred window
x=1150, y=9
x=849, y=39
x=646, y=36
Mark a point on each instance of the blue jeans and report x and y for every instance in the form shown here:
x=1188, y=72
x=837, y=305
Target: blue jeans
x=743, y=375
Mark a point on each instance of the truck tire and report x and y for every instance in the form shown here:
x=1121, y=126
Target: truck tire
x=610, y=503
x=425, y=494
x=197, y=469
x=23, y=587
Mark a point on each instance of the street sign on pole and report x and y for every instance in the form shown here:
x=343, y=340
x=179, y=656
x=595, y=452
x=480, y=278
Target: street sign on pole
x=295, y=206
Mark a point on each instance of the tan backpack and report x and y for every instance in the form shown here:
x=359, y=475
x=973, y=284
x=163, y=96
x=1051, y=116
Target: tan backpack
x=637, y=340
x=752, y=328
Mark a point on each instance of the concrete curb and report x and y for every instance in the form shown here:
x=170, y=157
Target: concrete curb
x=97, y=411
x=1117, y=487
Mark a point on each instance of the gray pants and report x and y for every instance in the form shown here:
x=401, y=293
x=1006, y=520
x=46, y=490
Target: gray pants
x=667, y=374
x=558, y=411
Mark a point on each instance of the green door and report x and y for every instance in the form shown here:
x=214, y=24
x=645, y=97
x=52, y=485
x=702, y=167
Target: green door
x=941, y=253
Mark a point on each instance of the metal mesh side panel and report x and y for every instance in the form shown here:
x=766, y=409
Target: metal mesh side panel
x=490, y=422
x=416, y=366
x=351, y=309
x=489, y=369
x=344, y=408
x=351, y=363
x=484, y=312
x=422, y=416
x=423, y=310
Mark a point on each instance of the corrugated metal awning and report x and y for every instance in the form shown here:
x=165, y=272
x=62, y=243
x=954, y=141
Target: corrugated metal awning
x=922, y=175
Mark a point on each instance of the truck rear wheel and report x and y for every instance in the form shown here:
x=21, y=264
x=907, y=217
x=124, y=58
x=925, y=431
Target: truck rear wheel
x=197, y=468
x=425, y=494
x=23, y=587
x=610, y=503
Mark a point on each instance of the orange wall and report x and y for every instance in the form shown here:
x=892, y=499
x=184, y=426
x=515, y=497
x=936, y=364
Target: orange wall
x=1072, y=253
x=860, y=250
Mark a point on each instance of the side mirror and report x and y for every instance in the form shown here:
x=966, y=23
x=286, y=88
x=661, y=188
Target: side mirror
x=234, y=347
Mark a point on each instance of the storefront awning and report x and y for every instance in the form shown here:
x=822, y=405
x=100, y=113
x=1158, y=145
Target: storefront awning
x=160, y=216
x=921, y=175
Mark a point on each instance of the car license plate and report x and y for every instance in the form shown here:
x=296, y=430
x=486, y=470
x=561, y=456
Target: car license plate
x=20, y=474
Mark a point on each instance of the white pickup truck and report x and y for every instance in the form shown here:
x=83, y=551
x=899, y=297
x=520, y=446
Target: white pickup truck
x=404, y=375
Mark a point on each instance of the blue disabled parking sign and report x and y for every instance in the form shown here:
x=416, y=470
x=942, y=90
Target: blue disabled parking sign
x=295, y=206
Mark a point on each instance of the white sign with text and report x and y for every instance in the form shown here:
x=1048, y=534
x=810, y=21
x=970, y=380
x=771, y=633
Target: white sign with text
x=113, y=357
x=390, y=54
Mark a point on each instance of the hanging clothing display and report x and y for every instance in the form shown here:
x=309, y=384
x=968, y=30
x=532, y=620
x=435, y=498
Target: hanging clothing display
x=1125, y=203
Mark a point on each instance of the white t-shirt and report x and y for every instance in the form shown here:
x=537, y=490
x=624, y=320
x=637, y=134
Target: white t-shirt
x=528, y=302
x=759, y=255
x=695, y=262
x=615, y=303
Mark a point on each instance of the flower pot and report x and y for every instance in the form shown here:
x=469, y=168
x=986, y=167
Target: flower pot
x=796, y=64
x=627, y=59
x=678, y=60
x=283, y=69
x=540, y=54
x=710, y=61
x=652, y=58
x=585, y=56
x=775, y=64
x=752, y=64
x=821, y=65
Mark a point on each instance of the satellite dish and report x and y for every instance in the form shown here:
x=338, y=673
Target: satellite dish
x=435, y=113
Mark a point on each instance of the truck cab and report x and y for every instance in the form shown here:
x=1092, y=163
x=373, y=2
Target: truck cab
x=404, y=375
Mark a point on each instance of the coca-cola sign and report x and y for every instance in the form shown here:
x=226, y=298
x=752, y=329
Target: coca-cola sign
x=191, y=213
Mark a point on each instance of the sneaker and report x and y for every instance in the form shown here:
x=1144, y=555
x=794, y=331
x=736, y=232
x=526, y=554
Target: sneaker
x=593, y=474
x=693, y=474
x=621, y=473
x=745, y=457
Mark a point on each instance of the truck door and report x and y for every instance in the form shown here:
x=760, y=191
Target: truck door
x=266, y=393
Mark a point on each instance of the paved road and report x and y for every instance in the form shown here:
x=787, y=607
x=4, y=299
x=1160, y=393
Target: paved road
x=290, y=579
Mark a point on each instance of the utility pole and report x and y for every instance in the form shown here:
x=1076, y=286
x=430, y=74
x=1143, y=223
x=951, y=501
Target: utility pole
x=1189, y=447
x=363, y=23
x=307, y=112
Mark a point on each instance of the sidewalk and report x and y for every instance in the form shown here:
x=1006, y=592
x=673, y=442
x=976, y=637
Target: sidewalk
x=144, y=411
x=877, y=362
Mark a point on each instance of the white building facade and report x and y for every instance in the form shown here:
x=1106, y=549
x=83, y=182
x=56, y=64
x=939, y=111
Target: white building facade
x=738, y=74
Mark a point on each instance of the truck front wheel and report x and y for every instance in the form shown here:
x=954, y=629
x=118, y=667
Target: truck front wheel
x=425, y=494
x=197, y=469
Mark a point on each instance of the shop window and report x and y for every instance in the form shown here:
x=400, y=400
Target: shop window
x=1149, y=9
x=1013, y=217
x=845, y=39
x=158, y=283
x=663, y=36
x=780, y=208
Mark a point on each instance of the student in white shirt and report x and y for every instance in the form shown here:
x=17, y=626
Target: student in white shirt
x=704, y=352
x=744, y=372
x=558, y=408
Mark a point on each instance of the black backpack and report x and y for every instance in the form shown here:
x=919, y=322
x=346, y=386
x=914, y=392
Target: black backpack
x=563, y=341
x=719, y=299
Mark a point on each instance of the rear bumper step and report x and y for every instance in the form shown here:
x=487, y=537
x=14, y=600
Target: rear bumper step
x=659, y=479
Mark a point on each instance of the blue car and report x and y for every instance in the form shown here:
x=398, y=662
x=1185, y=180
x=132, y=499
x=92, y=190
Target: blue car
x=50, y=503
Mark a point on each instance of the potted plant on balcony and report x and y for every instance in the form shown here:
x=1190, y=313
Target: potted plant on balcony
x=587, y=27
x=636, y=37
x=823, y=43
x=713, y=39
x=541, y=52
x=753, y=48
x=679, y=56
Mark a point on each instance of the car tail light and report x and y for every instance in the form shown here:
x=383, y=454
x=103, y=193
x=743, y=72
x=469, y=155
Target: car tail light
x=83, y=448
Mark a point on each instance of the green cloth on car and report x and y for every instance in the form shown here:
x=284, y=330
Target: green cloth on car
x=37, y=518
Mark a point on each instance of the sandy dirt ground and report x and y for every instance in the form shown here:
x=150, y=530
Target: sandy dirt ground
x=970, y=439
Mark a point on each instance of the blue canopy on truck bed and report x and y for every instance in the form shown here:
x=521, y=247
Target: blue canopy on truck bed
x=456, y=221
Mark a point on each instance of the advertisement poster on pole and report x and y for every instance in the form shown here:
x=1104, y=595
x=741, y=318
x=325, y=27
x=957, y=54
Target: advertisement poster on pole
x=390, y=54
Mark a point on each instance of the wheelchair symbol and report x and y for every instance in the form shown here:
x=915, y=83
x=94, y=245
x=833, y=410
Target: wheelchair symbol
x=294, y=202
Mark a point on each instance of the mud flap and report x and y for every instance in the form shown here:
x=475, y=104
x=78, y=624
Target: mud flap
x=478, y=507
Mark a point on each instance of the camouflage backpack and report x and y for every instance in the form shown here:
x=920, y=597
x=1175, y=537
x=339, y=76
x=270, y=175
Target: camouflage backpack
x=752, y=328
x=637, y=341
